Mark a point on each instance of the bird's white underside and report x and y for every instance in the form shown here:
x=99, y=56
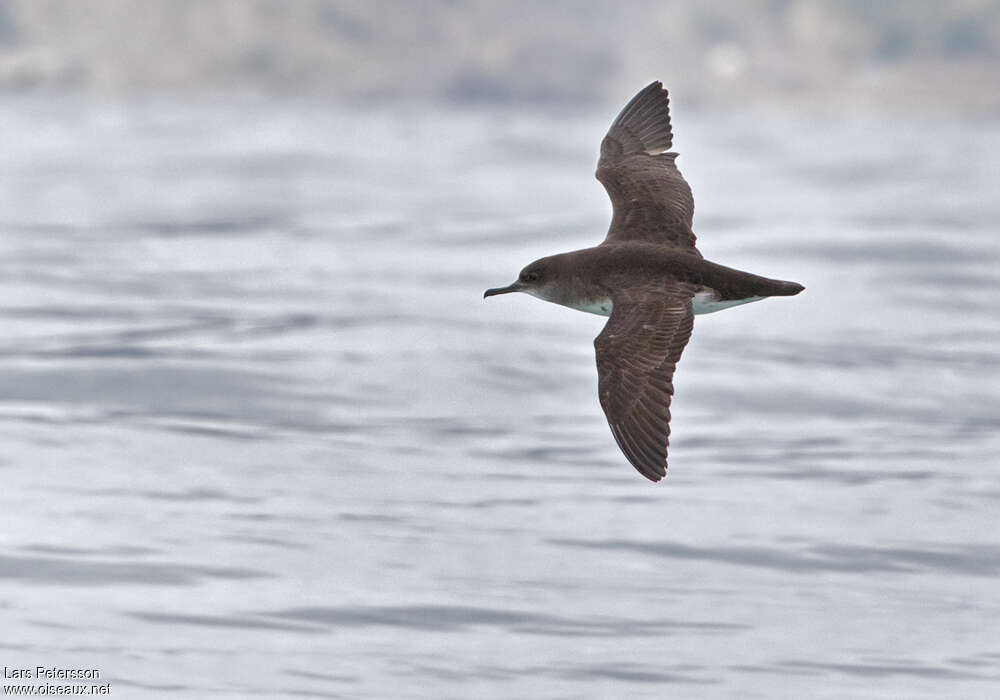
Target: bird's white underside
x=702, y=303
x=706, y=303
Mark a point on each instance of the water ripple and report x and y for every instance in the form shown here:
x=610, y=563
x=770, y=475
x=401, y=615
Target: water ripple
x=456, y=618
x=73, y=572
x=969, y=559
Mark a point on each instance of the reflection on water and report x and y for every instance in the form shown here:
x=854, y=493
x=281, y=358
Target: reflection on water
x=259, y=423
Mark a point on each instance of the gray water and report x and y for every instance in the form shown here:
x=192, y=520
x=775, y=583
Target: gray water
x=261, y=435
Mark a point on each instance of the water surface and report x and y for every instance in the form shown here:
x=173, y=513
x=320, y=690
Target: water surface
x=263, y=437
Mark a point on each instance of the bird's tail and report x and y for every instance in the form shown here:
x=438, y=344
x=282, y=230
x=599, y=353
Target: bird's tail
x=781, y=288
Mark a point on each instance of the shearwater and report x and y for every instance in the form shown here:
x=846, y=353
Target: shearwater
x=647, y=276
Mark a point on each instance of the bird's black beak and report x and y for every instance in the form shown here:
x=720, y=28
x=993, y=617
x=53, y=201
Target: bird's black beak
x=502, y=290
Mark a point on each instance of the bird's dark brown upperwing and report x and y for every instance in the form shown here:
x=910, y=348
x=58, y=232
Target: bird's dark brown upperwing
x=636, y=355
x=652, y=202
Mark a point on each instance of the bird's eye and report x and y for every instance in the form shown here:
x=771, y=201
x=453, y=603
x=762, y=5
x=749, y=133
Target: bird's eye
x=530, y=276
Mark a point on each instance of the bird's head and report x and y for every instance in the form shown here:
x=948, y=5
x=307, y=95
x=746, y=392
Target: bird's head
x=535, y=279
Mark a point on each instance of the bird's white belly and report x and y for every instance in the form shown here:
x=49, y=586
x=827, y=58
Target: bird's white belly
x=702, y=303
x=706, y=303
x=601, y=307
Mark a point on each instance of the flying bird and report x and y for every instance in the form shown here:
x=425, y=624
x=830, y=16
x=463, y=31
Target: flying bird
x=647, y=276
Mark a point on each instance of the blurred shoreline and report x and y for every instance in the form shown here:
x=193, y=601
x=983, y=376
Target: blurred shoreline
x=815, y=55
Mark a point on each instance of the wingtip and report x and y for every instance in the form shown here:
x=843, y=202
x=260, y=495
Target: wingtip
x=638, y=456
x=654, y=477
x=644, y=123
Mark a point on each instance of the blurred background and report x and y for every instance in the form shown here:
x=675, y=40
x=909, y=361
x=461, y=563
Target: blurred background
x=845, y=55
x=260, y=435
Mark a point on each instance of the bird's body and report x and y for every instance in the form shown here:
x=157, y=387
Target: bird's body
x=647, y=277
x=588, y=278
